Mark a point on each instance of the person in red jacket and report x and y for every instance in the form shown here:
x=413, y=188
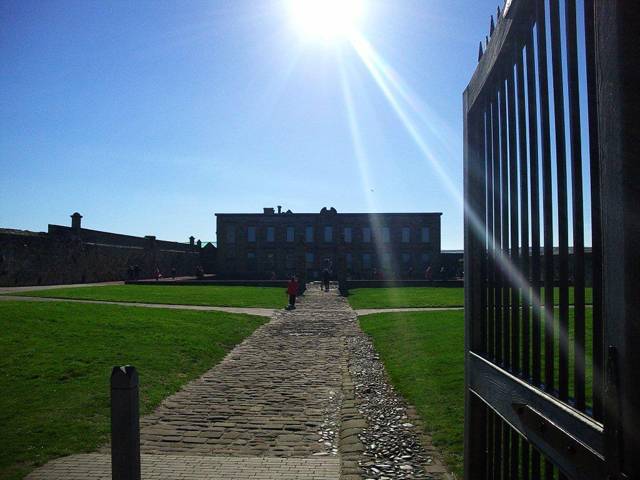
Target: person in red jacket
x=292, y=291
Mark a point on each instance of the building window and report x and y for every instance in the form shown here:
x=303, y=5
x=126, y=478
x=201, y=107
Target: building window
x=251, y=261
x=348, y=235
x=386, y=235
x=271, y=234
x=289, y=261
x=425, y=259
x=308, y=234
x=328, y=233
x=425, y=235
x=366, y=261
x=386, y=261
x=231, y=234
x=348, y=258
x=366, y=235
x=251, y=234
x=291, y=231
x=309, y=259
x=406, y=234
x=406, y=259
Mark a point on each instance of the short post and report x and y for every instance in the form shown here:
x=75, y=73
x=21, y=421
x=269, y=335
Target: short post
x=125, y=425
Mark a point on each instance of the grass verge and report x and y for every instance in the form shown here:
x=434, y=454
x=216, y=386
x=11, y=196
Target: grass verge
x=210, y=295
x=417, y=297
x=56, y=362
x=423, y=353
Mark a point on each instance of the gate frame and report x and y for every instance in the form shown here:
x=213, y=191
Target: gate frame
x=617, y=101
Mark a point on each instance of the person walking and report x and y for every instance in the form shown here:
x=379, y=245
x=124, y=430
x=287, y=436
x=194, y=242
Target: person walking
x=292, y=291
x=325, y=279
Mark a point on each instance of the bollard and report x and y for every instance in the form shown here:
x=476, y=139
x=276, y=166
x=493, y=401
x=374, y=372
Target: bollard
x=125, y=425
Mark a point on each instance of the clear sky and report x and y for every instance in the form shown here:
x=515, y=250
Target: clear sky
x=149, y=116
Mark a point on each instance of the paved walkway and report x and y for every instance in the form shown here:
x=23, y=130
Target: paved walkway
x=262, y=312
x=34, y=288
x=281, y=405
x=178, y=467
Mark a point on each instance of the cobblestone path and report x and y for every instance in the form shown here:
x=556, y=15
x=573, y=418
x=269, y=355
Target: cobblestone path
x=281, y=405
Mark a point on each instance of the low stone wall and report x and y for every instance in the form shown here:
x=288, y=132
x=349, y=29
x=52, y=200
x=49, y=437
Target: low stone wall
x=65, y=256
x=205, y=282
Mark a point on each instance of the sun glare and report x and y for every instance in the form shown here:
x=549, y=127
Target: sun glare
x=326, y=20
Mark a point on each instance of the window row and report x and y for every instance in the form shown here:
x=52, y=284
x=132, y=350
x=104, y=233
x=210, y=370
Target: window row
x=367, y=260
x=367, y=234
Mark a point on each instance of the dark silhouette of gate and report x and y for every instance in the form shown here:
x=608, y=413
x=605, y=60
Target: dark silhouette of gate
x=552, y=166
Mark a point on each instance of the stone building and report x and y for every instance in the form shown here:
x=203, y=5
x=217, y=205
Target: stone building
x=358, y=245
x=76, y=255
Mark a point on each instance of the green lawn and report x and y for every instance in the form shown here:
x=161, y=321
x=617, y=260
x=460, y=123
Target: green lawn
x=406, y=297
x=415, y=297
x=56, y=361
x=423, y=353
x=213, y=295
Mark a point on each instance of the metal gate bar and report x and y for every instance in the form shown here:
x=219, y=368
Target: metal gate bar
x=575, y=136
x=596, y=241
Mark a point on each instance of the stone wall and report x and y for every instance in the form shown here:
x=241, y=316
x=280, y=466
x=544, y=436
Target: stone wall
x=76, y=255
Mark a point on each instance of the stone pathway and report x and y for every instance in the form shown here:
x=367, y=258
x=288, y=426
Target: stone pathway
x=33, y=288
x=282, y=405
x=169, y=467
x=262, y=312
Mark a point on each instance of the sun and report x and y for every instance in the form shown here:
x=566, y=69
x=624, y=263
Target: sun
x=326, y=20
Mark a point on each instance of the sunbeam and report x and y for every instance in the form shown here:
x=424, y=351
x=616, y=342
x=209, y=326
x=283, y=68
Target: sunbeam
x=436, y=126
x=363, y=164
x=392, y=89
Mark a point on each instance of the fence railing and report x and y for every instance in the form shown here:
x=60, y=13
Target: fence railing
x=542, y=171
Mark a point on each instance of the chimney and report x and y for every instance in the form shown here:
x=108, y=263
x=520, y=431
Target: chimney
x=192, y=240
x=268, y=211
x=151, y=241
x=76, y=221
x=279, y=209
x=199, y=243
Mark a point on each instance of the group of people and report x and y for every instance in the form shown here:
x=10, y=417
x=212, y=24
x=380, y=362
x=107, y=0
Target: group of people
x=293, y=286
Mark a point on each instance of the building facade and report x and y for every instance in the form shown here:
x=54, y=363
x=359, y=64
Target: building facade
x=76, y=254
x=357, y=245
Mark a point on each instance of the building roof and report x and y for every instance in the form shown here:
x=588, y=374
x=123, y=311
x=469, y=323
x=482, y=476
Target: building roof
x=26, y=233
x=285, y=214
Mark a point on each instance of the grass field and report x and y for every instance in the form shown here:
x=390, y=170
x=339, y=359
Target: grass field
x=214, y=295
x=423, y=353
x=56, y=362
x=415, y=297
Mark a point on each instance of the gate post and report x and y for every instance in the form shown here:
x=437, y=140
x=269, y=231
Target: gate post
x=618, y=76
x=125, y=425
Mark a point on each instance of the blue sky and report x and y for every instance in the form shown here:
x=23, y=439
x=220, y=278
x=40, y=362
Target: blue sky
x=149, y=117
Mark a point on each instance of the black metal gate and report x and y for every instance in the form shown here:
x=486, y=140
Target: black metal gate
x=552, y=164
